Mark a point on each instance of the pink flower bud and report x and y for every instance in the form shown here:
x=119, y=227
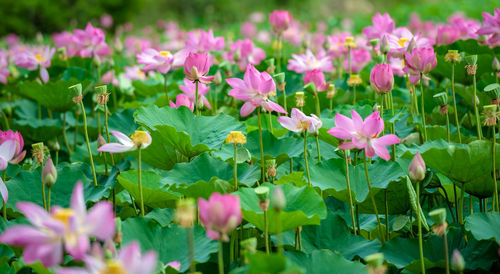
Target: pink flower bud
x=417, y=168
x=280, y=20
x=382, y=78
x=197, y=66
x=220, y=215
x=49, y=173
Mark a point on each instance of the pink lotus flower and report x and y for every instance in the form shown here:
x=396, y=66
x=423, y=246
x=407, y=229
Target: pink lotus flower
x=416, y=170
x=135, y=45
x=467, y=27
x=382, y=78
x=280, y=20
x=138, y=138
x=182, y=100
x=248, y=29
x=109, y=78
x=106, y=20
x=134, y=73
x=161, y=61
x=220, y=215
x=336, y=47
x=19, y=153
x=37, y=58
x=491, y=26
x=128, y=260
x=197, y=66
x=360, y=57
x=299, y=122
x=420, y=61
x=254, y=89
x=4, y=71
x=91, y=42
x=204, y=41
x=363, y=134
x=73, y=226
x=189, y=89
x=318, y=78
x=446, y=35
x=7, y=152
x=65, y=40
x=244, y=52
x=306, y=62
x=382, y=24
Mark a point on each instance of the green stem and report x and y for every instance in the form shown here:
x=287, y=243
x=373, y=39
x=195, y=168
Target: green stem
x=5, y=119
x=190, y=234
x=461, y=205
x=424, y=129
x=420, y=245
x=107, y=131
x=278, y=231
x=455, y=101
x=43, y=197
x=386, y=215
x=270, y=122
x=393, y=129
x=261, y=146
x=351, y=207
x=266, y=231
x=493, y=152
x=476, y=111
x=215, y=99
x=165, y=88
x=235, y=168
x=4, y=203
x=140, y=181
x=278, y=57
x=305, y=159
x=446, y=258
x=221, y=257
x=354, y=94
x=196, y=99
x=77, y=119
x=318, y=108
x=447, y=127
x=65, y=137
x=331, y=105
x=372, y=197
x=317, y=148
x=48, y=198
x=57, y=156
x=88, y=143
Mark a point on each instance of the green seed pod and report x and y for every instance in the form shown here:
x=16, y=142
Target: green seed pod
x=262, y=193
x=438, y=216
x=471, y=60
x=493, y=90
x=76, y=89
x=310, y=88
x=279, y=78
x=375, y=260
x=441, y=98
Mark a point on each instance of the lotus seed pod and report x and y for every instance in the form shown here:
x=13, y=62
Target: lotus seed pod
x=375, y=260
x=471, y=60
x=262, y=193
x=379, y=59
x=299, y=98
x=186, y=212
x=249, y=245
x=310, y=88
x=236, y=137
x=493, y=90
x=374, y=42
x=279, y=78
x=441, y=98
x=354, y=80
x=438, y=216
x=384, y=45
x=331, y=91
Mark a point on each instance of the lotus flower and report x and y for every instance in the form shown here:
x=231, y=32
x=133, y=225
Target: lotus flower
x=18, y=138
x=254, y=89
x=189, y=89
x=244, y=52
x=138, y=139
x=318, y=78
x=161, y=61
x=134, y=73
x=280, y=20
x=299, y=122
x=308, y=61
x=382, y=78
x=37, y=58
x=382, y=24
x=220, y=215
x=416, y=170
x=90, y=42
x=197, y=66
x=4, y=71
x=360, y=57
x=204, y=41
x=72, y=226
x=491, y=26
x=7, y=152
x=182, y=100
x=248, y=29
x=420, y=61
x=363, y=134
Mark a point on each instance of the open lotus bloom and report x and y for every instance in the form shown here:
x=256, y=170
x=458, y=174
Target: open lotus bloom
x=161, y=61
x=197, y=66
x=420, y=61
x=71, y=227
x=37, y=58
x=254, y=89
x=7, y=152
x=308, y=61
x=299, y=122
x=90, y=42
x=138, y=139
x=382, y=24
x=220, y=215
x=363, y=134
x=128, y=260
x=189, y=89
x=491, y=26
x=204, y=41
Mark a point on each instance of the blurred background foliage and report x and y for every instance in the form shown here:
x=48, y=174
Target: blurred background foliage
x=28, y=17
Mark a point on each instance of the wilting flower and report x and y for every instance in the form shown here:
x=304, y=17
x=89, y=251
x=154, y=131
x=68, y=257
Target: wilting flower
x=197, y=66
x=90, y=42
x=128, y=260
x=416, y=170
x=161, y=61
x=280, y=20
x=220, y=215
x=182, y=100
x=318, y=78
x=204, y=41
x=491, y=26
x=72, y=226
x=382, y=24
x=308, y=61
x=382, y=78
x=19, y=153
x=420, y=61
x=37, y=58
x=299, y=122
x=189, y=89
x=244, y=52
x=254, y=89
x=139, y=139
x=363, y=134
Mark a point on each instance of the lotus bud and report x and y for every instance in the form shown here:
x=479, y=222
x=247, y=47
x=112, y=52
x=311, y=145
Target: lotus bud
x=438, y=216
x=375, y=260
x=412, y=45
x=54, y=145
x=441, y=98
x=379, y=59
x=217, y=78
x=262, y=193
x=118, y=235
x=76, y=91
x=49, y=173
x=331, y=91
x=271, y=167
x=270, y=66
x=38, y=151
x=236, y=137
x=490, y=112
x=310, y=88
x=457, y=261
x=299, y=98
x=100, y=141
x=374, y=42
x=495, y=65
x=186, y=212
x=493, y=90
x=278, y=198
x=452, y=56
x=384, y=45
x=416, y=170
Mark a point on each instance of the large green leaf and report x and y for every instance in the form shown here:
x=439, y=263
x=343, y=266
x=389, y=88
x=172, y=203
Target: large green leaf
x=155, y=195
x=303, y=207
x=170, y=242
x=325, y=261
x=484, y=226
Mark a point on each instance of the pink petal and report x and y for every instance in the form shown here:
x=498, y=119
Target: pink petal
x=270, y=106
x=78, y=201
x=246, y=109
x=340, y=133
x=44, y=74
x=115, y=148
x=4, y=191
x=33, y=212
x=100, y=221
x=348, y=145
x=289, y=123
x=49, y=254
x=22, y=235
x=122, y=138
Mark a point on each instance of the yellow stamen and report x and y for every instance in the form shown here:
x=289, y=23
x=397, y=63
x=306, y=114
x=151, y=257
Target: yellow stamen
x=165, y=53
x=113, y=267
x=63, y=215
x=140, y=138
x=39, y=58
x=303, y=125
x=402, y=42
x=236, y=137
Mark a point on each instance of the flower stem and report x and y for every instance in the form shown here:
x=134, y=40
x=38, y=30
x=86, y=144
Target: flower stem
x=495, y=189
x=140, y=181
x=446, y=258
x=461, y=204
x=278, y=231
x=48, y=198
x=165, y=86
x=107, y=131
x=305, y=159
x=221, y=257
x=393, y=129
x=235, y=168
x=65, y=137
x=77, y=119
x=318, y=108
x=270, y=122
x=44, y=201
x=455, y=101
x=420, y=245
x=447, y=127
x=4, y=203
x=424, y=129
x=476, y=111
x=88, y=142
x=196, y=99
x=351, y=207
x=317, y=148
x=266, y=231
x=261, y=146
x=190, y=234
x=372, y=197
x=386, y=215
